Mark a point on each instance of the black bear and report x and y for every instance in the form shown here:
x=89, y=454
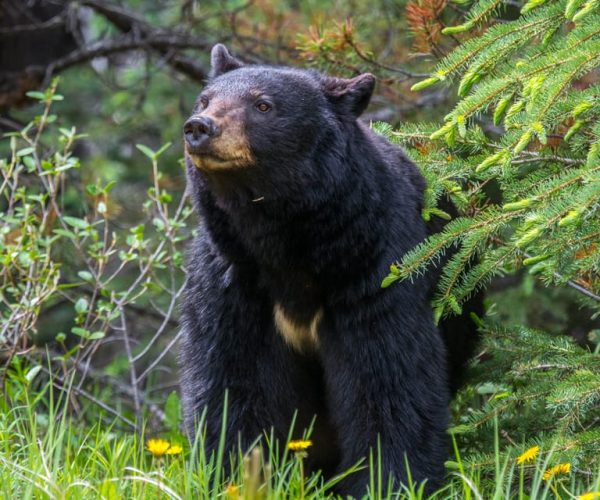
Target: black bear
x=302, y=210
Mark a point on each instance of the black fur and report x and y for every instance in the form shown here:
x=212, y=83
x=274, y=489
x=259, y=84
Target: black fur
x=314, y=223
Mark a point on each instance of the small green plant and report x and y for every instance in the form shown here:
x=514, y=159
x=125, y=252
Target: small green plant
x=73, y=280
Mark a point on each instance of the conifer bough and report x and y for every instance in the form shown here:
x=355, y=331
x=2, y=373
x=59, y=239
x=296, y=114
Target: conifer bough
x=537, y=80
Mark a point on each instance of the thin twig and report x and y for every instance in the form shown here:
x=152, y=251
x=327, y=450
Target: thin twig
x=59, y=383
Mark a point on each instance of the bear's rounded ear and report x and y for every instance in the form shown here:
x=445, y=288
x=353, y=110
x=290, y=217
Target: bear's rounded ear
x=350, y=95
x=222, y=61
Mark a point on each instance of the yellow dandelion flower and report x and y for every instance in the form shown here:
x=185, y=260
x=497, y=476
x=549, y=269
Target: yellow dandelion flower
x=592, y=495
x=158, y=447
x=556, y=470
x=299, y=445
x=232, y=492
x=528, y=455
x=174, y=449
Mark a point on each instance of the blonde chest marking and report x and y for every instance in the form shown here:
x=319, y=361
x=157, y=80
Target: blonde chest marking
x=301, y=337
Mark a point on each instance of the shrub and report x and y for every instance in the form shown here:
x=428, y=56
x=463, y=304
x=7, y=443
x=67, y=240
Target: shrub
x=74, y=282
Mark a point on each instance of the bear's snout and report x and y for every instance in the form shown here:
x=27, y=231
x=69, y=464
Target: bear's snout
x=197, y=132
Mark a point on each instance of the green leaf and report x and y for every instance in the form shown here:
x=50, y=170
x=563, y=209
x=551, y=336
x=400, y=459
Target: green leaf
x=76, y=222
x=587, y=8
x=25, y=151
x=34, y=94
x=97, y=335
x=81, y=306
x=523, y=142
x=162, y=150
x=529, y=237
x=29, y=162
x=458, y=429
x=85, y=275
x=490, y=161
x=80, y=332
x=146, y=150
x=173, y=411
x=490, y=388
x=165, y=197
x=31, y=374
x=65, y=233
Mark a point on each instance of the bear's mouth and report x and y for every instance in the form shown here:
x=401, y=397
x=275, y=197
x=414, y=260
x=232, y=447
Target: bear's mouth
x=211, y=161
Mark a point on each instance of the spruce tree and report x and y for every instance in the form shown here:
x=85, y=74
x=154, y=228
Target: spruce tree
x=519, y=154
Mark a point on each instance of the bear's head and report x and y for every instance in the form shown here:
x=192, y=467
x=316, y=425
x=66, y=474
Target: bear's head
x=264, y=119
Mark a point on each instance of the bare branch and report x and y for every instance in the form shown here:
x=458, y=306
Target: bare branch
x=23, y=28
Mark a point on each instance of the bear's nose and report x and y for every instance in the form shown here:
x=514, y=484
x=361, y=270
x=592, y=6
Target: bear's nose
x=198, y=129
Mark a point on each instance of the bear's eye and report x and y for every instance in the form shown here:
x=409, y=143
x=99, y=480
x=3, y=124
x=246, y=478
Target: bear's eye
x=203, y=102
x=263, y=106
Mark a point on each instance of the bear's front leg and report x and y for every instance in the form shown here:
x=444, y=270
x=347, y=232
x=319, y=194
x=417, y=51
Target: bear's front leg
x=385, y=378
x=230, y=345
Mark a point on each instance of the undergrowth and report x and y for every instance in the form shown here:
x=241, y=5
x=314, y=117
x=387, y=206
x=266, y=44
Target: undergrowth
x=49, y=451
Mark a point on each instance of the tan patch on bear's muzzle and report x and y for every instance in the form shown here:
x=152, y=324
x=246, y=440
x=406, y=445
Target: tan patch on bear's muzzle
x=230, y=148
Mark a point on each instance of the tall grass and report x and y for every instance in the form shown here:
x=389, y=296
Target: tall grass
x=48, y=451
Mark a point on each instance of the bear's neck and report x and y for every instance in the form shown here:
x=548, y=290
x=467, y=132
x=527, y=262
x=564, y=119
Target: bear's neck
x=328, y=234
